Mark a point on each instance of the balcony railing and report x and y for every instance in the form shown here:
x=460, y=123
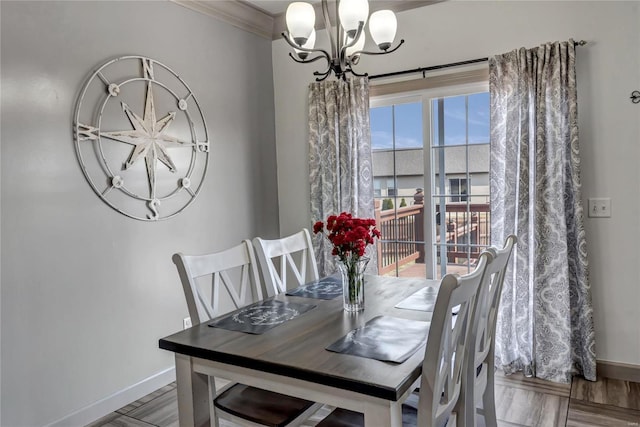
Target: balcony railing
x=467, y=232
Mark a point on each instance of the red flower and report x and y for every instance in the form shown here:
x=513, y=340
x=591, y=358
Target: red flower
x=349, y=236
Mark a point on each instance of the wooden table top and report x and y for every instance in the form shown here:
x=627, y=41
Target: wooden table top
x=297, y=348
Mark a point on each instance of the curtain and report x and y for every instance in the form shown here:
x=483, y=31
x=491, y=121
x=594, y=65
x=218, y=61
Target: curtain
x=340, y=164
x=545, y=322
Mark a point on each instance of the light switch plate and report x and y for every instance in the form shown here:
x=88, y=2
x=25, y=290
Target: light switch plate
x=600, y=208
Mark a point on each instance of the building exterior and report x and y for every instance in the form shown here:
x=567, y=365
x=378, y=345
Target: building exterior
x=409, y=170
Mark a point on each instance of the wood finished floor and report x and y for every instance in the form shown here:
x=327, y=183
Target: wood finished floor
x=520, y=401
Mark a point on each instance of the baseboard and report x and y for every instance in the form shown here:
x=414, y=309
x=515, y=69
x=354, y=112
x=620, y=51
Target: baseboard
x=619, y=371
x=117, y=400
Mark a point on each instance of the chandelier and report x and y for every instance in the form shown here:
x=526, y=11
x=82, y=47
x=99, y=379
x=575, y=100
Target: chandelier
x=347, y=37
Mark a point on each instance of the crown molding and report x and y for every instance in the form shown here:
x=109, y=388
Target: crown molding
x=280, y=25
x=246, y=17
x=236, y=13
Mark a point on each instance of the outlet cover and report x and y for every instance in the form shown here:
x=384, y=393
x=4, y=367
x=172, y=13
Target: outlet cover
x=186, y=323
x=599, y=208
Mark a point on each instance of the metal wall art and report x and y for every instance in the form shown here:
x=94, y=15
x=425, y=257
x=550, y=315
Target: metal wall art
x=141, y=138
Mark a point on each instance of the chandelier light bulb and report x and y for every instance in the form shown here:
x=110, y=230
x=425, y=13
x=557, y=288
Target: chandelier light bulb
x=351, y=13
x=308, y=45
x=301, y=18
x=383, y=26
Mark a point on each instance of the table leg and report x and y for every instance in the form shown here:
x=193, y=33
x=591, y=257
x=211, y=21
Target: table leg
x=193, y=394
x=389, y=414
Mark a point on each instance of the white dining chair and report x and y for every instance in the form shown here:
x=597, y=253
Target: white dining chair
x=444, y=359
x=287, y=262
x=479, y=373
x=204, y=279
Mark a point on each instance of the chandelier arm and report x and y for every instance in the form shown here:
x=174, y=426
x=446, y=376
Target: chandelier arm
x=345, y=61
x=357, y=74
x=384, y=52
x=306, y=61
x=355, y=39
x=327, y=25
x=324, y=75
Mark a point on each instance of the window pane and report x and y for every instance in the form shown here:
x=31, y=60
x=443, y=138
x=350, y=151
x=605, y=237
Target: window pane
x=409, y=155
x=377, y=192
x=399, y=167
x=408, y=121
x=458, y=189
x=460, y=181
x=479, y=118
x=479, y=186
x=479, y=158
x=446, y=257
x=409, y=169
x=388, y=256
x=455, y=126
x=453, y=160
x=481, y=219
x=381, y=119
x=454, y=115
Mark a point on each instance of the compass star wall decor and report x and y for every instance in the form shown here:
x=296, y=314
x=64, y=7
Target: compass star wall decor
x=141, y=138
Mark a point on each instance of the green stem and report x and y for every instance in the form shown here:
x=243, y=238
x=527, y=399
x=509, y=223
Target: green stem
x=355, y=267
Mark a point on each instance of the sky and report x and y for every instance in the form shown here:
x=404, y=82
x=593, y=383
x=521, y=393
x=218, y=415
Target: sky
x=408, y=123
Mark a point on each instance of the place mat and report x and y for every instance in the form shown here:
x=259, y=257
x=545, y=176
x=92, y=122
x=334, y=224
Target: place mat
x=422, y=300
x=325, y=288
x=260, y=317
x=385, y=338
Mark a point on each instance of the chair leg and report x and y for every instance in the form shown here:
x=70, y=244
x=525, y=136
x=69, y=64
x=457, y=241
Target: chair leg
x=215, y=422
x=467, y=413
x=488, y=397
x=465, y=407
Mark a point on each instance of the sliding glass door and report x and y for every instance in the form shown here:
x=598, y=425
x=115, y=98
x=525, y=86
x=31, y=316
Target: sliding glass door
x=431, y=180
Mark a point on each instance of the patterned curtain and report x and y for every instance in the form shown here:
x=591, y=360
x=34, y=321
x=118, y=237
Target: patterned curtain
x=340, y=165
x=545, y=322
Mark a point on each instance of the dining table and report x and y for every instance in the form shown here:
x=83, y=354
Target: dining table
x=293, y=359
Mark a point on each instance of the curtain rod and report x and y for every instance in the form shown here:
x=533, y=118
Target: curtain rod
x=423, y=70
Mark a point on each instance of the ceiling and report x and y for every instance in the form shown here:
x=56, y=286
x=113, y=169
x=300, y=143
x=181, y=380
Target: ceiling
x=274, y=7
x=279, y=7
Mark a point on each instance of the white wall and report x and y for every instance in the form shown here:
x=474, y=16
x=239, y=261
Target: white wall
x=87, y=292
x=608, y=70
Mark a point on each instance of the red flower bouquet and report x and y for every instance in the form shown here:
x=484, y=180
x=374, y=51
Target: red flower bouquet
x=350, y=237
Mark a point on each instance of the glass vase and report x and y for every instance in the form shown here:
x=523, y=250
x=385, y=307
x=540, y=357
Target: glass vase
x=352, y=271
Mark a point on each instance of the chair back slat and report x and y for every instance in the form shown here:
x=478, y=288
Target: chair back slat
x=479, y=369
x=204, y=302
x=278, y=257
x=448, y=338
x=489, y=300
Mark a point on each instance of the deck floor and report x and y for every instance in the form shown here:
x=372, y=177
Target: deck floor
x=414, y=269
